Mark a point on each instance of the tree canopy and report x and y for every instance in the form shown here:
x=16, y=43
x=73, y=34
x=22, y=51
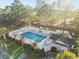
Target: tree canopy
x=53, y=13
x=14, y=14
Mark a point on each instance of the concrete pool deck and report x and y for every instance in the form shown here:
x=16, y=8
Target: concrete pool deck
x=45, y=44
x=16, y=34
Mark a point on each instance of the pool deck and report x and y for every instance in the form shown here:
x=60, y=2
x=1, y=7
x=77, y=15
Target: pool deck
x=45, y=44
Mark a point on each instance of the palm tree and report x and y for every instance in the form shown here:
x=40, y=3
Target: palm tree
x=3, y=32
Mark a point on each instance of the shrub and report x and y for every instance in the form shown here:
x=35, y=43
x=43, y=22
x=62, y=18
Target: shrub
x=66, y=55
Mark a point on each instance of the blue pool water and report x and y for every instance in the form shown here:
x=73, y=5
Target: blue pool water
x=33, y=36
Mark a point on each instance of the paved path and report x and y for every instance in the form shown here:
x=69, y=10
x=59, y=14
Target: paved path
x=3, y=54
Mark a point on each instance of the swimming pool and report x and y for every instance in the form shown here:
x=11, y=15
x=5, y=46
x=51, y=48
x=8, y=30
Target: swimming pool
x=33, y=36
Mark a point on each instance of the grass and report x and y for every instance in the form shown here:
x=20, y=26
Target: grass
x=16, y=53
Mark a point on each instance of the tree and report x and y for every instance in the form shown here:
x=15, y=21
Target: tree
x=3, y=32
x=44, y=12
x=14, y=14
x=77, y=45
x=1, y=11
x=18, y=12
x=66, y=55
x=40, y=3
